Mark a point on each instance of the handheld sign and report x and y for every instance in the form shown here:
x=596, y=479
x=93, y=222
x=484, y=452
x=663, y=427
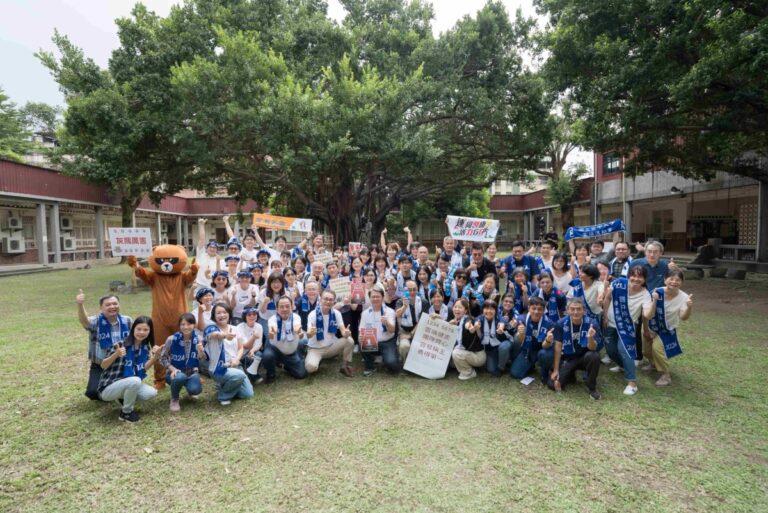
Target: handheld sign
x=473, y=229
x=431, y=348
x=130, y=242
x=368, y=340
x=354, y=248
x=357, y=290
x=341, y=286
x=325, y=257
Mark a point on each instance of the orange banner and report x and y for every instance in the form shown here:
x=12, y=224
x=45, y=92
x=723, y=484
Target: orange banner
x=282, y=223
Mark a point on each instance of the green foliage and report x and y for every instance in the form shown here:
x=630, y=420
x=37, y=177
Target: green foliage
x=676, y=84
x=14, y=135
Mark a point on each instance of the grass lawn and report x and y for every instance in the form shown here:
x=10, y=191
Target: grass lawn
x=385, y=443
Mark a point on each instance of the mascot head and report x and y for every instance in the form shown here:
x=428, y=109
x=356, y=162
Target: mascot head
x=168, y=259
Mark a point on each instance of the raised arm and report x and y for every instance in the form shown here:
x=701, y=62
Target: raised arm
x=201, y=242
x=383, y=241
x=410, y=236
x=259, y=240
x=82, y=315
x=146, y=276
x=230, y=233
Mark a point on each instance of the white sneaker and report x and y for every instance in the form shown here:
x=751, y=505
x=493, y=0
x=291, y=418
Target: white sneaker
x=637, y=363
x=471, y=375
x=630, y=390
x=606, y=360
x=225, y=403
x=615, y=368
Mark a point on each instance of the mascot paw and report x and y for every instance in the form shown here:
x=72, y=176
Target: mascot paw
x=131, y=260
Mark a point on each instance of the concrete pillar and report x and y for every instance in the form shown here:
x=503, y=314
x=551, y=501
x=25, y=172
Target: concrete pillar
x=179, y=233
x=627, y=216
x=41, y=234
x=56, y=232
x=185, y=231
x=159, y=229
x=100, y=232
x=549, y=220
x=525, y=226
x=133, y=220
x=762, y=222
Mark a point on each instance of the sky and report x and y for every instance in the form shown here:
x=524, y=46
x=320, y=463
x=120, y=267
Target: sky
x=26, y=26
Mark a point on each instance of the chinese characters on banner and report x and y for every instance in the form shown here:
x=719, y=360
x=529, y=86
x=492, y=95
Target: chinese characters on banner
x=130, y=242
x=325, y=257
x=271, y=222
x=473, y=229
x=368, y=340
x=341, y=286
x=431, y=348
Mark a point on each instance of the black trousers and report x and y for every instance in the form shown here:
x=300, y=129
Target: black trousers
x=589, y=361
x=92, y=389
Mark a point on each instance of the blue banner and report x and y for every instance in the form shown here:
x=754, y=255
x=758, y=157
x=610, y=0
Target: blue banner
x=588, y=232
x=624, y=324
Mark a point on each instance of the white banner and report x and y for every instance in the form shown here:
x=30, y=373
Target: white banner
x=324, y=257
x=431, y=348
x=130, y=242
x=473, y=229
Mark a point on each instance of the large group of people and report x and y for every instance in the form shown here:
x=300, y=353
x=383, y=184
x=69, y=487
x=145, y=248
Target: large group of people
x=259, y=310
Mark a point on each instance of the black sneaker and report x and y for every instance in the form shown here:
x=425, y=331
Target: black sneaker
x=131, y=417
x=594, y=394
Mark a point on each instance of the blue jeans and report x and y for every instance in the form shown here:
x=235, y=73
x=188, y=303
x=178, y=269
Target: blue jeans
x=522, y=361
x=389, y=354
x=496, y=358
x=618, y=353
x=192, y=383
x=292, y=363
x=233, y=384
x=546, y=359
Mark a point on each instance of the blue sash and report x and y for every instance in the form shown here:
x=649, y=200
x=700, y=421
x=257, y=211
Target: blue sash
x=288, y=328
x=552, y=311
x=221, y=364
x=519, y=296
x=578, y=291
x=505, y=317
x=659, y=325
x=134, y=363
x=568, y=344
x=324, y=282
x=304, y=304
x=104, y=331
x=540, y=264
x=537, y=331
x=178, y=356
x=621, y=315
x=589, y=232
x=332, y=327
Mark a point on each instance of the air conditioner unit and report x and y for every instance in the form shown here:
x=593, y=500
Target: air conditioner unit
x=65, y=223
x=68, y=243
x=14, y=223
x=14, y=244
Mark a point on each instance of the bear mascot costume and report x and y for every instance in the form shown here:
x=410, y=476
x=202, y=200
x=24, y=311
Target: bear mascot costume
x=168, y=282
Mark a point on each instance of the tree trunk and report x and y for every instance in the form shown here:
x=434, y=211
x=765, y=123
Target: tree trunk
x=566, y=215
x=126, y=211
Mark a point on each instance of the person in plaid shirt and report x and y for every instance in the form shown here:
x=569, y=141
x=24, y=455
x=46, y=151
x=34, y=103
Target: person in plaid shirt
x=125, y=367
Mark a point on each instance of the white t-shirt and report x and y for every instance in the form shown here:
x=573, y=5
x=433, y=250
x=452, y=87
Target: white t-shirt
x=222, y=296
x=673, y=307
x=205, y=263
x=636, y=303
x=591, y=294
x=242, y=297
x=213, y=347
x=206, y=321
x=329, y=338
x=547, y=263
x=289, y=338
x=245, y=332
x=267, y=312
x=371, y=318
x=563, y=282
x=248, y=255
